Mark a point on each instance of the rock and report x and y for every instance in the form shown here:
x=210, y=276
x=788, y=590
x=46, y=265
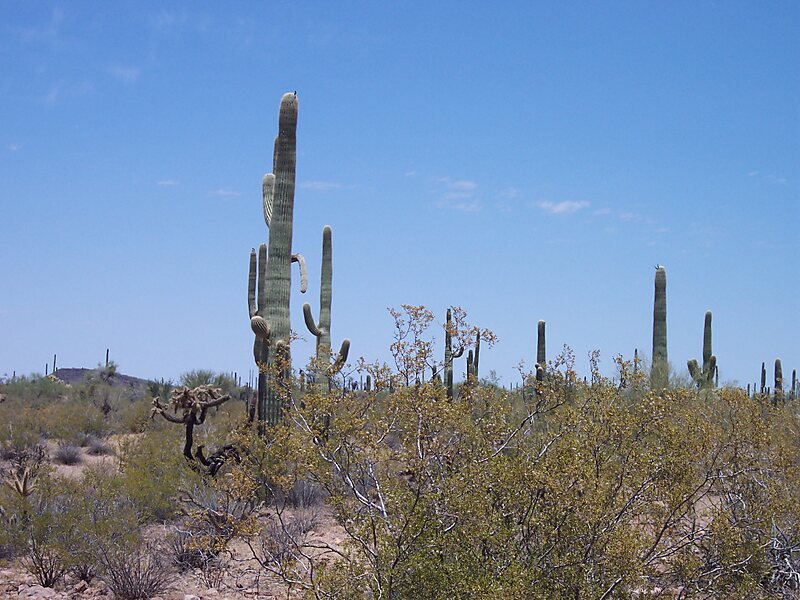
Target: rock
x=79, y=587
x=190, y=597
x=35, y=591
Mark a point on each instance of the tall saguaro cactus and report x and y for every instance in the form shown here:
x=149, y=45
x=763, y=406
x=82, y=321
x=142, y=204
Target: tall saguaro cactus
x=778, y=380
x=763, y=378
x=659, y=371
x=704, y=378
x=541, y=355
x=449, y=355
x=322, y=329
x=270, y=272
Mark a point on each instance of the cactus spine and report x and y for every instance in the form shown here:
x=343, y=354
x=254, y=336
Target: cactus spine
x=270, y=273
x=705, y=378
x=322, y=329
x=659, y=371
x=449, y=355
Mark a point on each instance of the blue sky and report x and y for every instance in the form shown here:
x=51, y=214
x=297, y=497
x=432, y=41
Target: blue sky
x=530, y=162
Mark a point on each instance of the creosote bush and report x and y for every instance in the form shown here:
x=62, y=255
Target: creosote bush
x=565, y=489
x=67, y=454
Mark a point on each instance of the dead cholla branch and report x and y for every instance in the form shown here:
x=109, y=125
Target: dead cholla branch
x=190, y=407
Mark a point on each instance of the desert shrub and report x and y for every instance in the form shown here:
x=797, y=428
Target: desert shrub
x=70, y=421
x=34, y=390
x=134, y=570
x=97, y=446
x=305, y=494
x=67, y=454
x=569, y=489
x=153, y=471
x=196, y=378
x=134, y=417
x=186, y=553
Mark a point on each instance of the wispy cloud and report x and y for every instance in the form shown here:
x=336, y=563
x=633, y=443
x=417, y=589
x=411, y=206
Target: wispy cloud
x=768, y=177
x=321, y=186
x=125, y=74
x=565, y=207
x=225, y=193
x=410, y=174
x=459, y=185
x=458, y=194
x=61, y=90
x=167, y=20
x=14, y=147
x=168, y=182
x=48, y=33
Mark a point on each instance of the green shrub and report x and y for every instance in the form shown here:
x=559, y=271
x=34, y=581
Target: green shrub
x=153, y=471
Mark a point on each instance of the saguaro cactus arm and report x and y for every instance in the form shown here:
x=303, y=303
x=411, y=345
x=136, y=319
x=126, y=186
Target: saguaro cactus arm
x=301, y=263
x=268, y=196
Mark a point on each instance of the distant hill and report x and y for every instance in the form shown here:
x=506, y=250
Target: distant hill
x=134, y=385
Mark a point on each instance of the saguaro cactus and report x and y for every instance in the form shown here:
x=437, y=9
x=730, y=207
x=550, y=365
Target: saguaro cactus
x=763, y=378
x=449, y=355
x=322, y=329
x=270, y=274
x=541, y=355
x=705, y=378
x=473, y=358
x=778, y=380
x=659, y=371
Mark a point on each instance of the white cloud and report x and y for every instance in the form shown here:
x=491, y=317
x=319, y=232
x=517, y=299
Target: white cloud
x=321, y=186
x=14, y=147
x=225, y=193
x=167, y=182
x=464, y=185
x=63, y=90
x=125, y=74
x=565, y=207
x=458, y=194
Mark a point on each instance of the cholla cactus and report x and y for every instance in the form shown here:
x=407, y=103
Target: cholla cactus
x=190, y=407
x=22, y=483
x=322, y=329
x=705, y=378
